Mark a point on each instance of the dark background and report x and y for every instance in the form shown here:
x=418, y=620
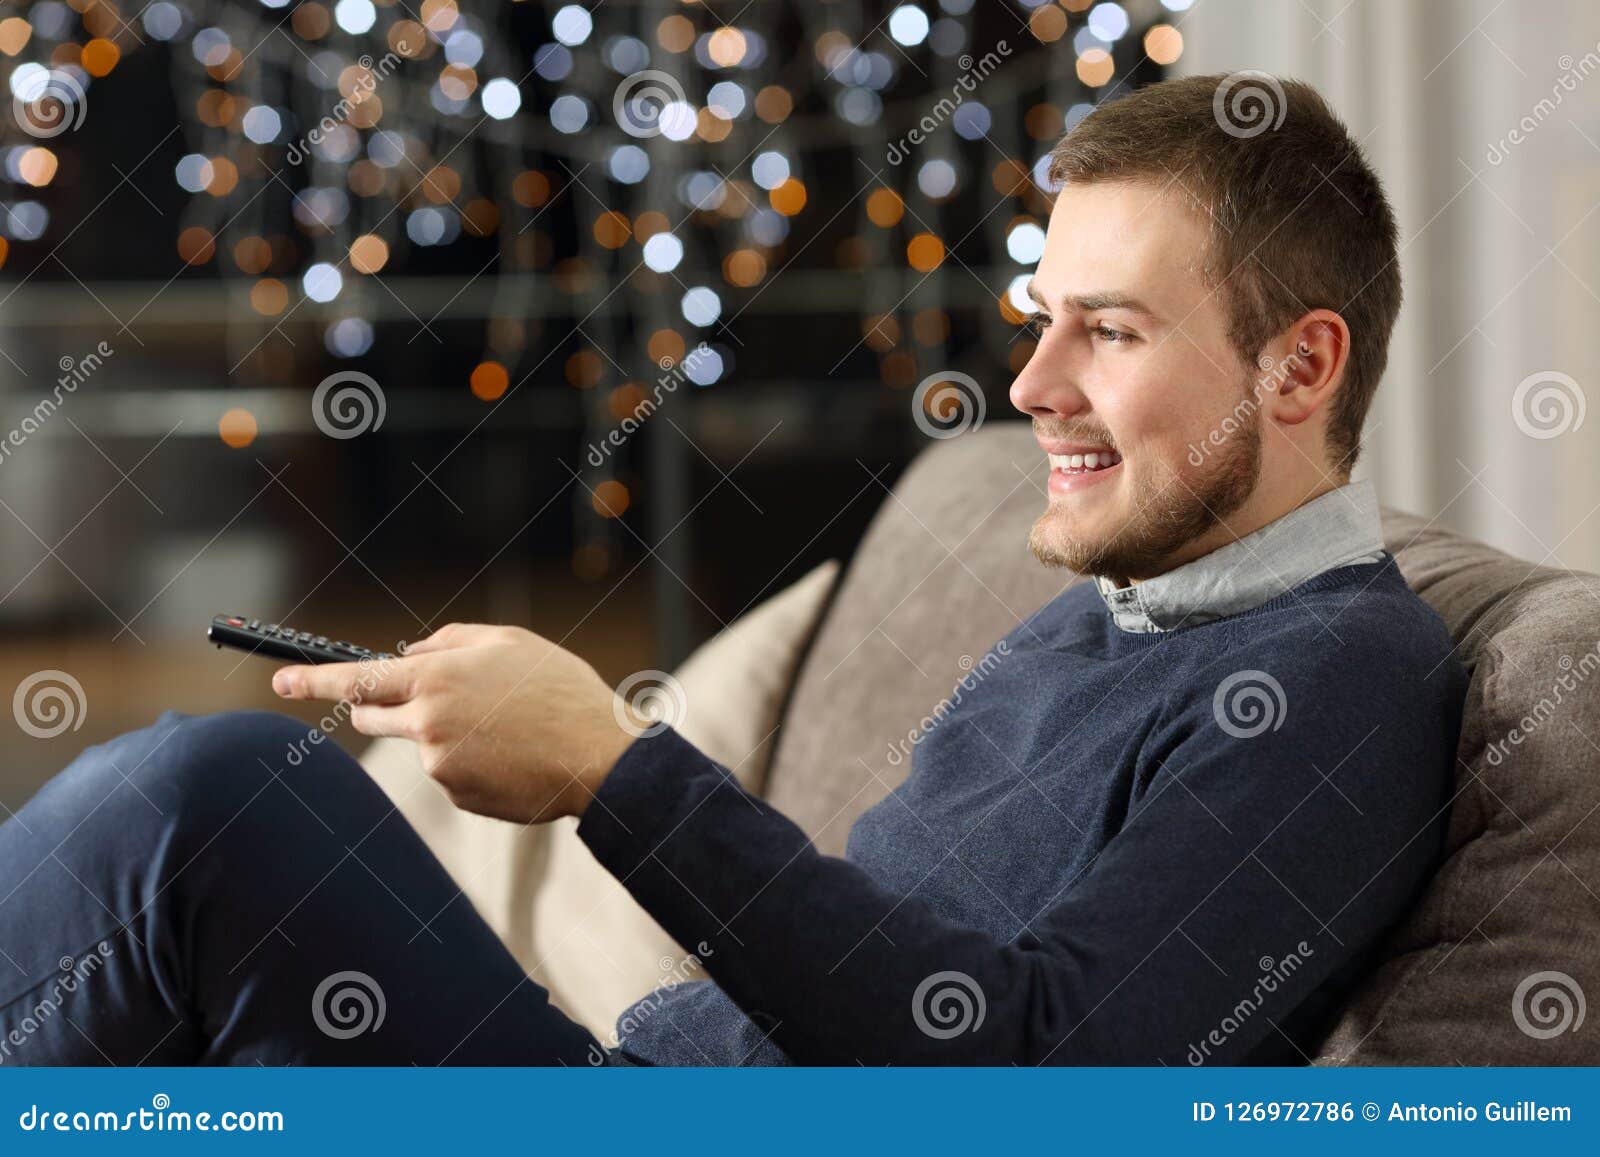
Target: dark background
x=129, y=520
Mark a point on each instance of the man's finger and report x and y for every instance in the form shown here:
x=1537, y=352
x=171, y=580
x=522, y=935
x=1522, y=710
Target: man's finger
x=451, y=636
x=382, y=681
x=378, y=721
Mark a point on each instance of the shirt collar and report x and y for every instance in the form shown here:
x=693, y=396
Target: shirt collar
x=1339, y=528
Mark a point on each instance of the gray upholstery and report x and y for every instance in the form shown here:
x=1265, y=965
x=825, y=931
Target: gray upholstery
x=944, y=571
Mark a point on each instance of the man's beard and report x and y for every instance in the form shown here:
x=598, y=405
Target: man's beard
x=1169, y=512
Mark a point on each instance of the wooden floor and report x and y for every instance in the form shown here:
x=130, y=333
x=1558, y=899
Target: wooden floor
x=127, y=684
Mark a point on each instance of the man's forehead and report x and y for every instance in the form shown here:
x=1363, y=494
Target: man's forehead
x=1134, y=237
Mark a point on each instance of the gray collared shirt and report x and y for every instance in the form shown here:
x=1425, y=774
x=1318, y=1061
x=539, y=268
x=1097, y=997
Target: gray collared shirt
x=1339, y=528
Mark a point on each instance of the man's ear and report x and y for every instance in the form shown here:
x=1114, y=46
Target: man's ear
x=1309, y=366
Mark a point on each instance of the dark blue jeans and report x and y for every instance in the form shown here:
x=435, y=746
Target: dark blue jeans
x=186, y=894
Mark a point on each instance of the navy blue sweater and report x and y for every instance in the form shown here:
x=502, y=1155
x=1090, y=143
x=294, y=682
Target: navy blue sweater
x=1118, y=848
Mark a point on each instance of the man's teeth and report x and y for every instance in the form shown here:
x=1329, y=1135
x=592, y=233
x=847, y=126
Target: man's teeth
x=1084, y=461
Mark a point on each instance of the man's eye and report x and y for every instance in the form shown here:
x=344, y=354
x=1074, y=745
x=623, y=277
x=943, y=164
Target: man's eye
x=1040, y=322
x=1114, y=336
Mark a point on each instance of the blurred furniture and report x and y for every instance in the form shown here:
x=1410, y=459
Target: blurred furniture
x=1491, y=966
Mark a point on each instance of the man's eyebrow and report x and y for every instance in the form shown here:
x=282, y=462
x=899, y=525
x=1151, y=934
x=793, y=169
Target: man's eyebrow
x=1092, y=302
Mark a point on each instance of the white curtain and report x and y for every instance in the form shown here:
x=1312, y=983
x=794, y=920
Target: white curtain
x=1483, y=120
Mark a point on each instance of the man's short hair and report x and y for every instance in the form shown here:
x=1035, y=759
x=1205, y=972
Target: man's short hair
x=1297, y=217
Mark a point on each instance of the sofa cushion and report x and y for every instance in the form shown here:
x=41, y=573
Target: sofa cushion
x=1494, y=964
x=944, y=571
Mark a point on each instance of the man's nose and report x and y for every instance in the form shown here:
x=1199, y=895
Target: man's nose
x=1045, y=388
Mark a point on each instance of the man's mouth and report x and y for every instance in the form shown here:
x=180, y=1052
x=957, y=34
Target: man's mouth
x=1078, y=468
x=1084, y=463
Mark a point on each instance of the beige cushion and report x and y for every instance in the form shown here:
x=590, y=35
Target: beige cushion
x=596, y=950
x=493, y=863
x=944, y=572
x=567, y=921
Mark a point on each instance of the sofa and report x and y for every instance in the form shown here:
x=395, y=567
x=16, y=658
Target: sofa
x=803, y=696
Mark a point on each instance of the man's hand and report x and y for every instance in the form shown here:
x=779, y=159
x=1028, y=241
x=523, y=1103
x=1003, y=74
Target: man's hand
x=508, y=723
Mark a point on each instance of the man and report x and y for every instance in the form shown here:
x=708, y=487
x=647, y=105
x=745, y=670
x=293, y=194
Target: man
x=1170, y=827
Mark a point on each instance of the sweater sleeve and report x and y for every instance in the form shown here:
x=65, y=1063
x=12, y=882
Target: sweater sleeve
x=1247, y=874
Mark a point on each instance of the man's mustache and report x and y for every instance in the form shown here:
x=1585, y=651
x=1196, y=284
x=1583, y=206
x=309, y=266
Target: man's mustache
x=1080, y=434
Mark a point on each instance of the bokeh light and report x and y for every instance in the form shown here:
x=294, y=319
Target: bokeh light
x=237, y=428
x=489, y=380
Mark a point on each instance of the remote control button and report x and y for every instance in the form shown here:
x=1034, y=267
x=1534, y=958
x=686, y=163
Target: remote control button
x=253, y=625
x=320, y=641
x=234, y=621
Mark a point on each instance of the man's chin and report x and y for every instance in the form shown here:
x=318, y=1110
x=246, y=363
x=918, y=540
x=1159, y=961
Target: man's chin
x=1056, y=544
x=1060, y=540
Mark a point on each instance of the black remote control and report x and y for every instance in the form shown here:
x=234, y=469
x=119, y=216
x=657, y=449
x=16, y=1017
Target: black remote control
x=278, y=642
